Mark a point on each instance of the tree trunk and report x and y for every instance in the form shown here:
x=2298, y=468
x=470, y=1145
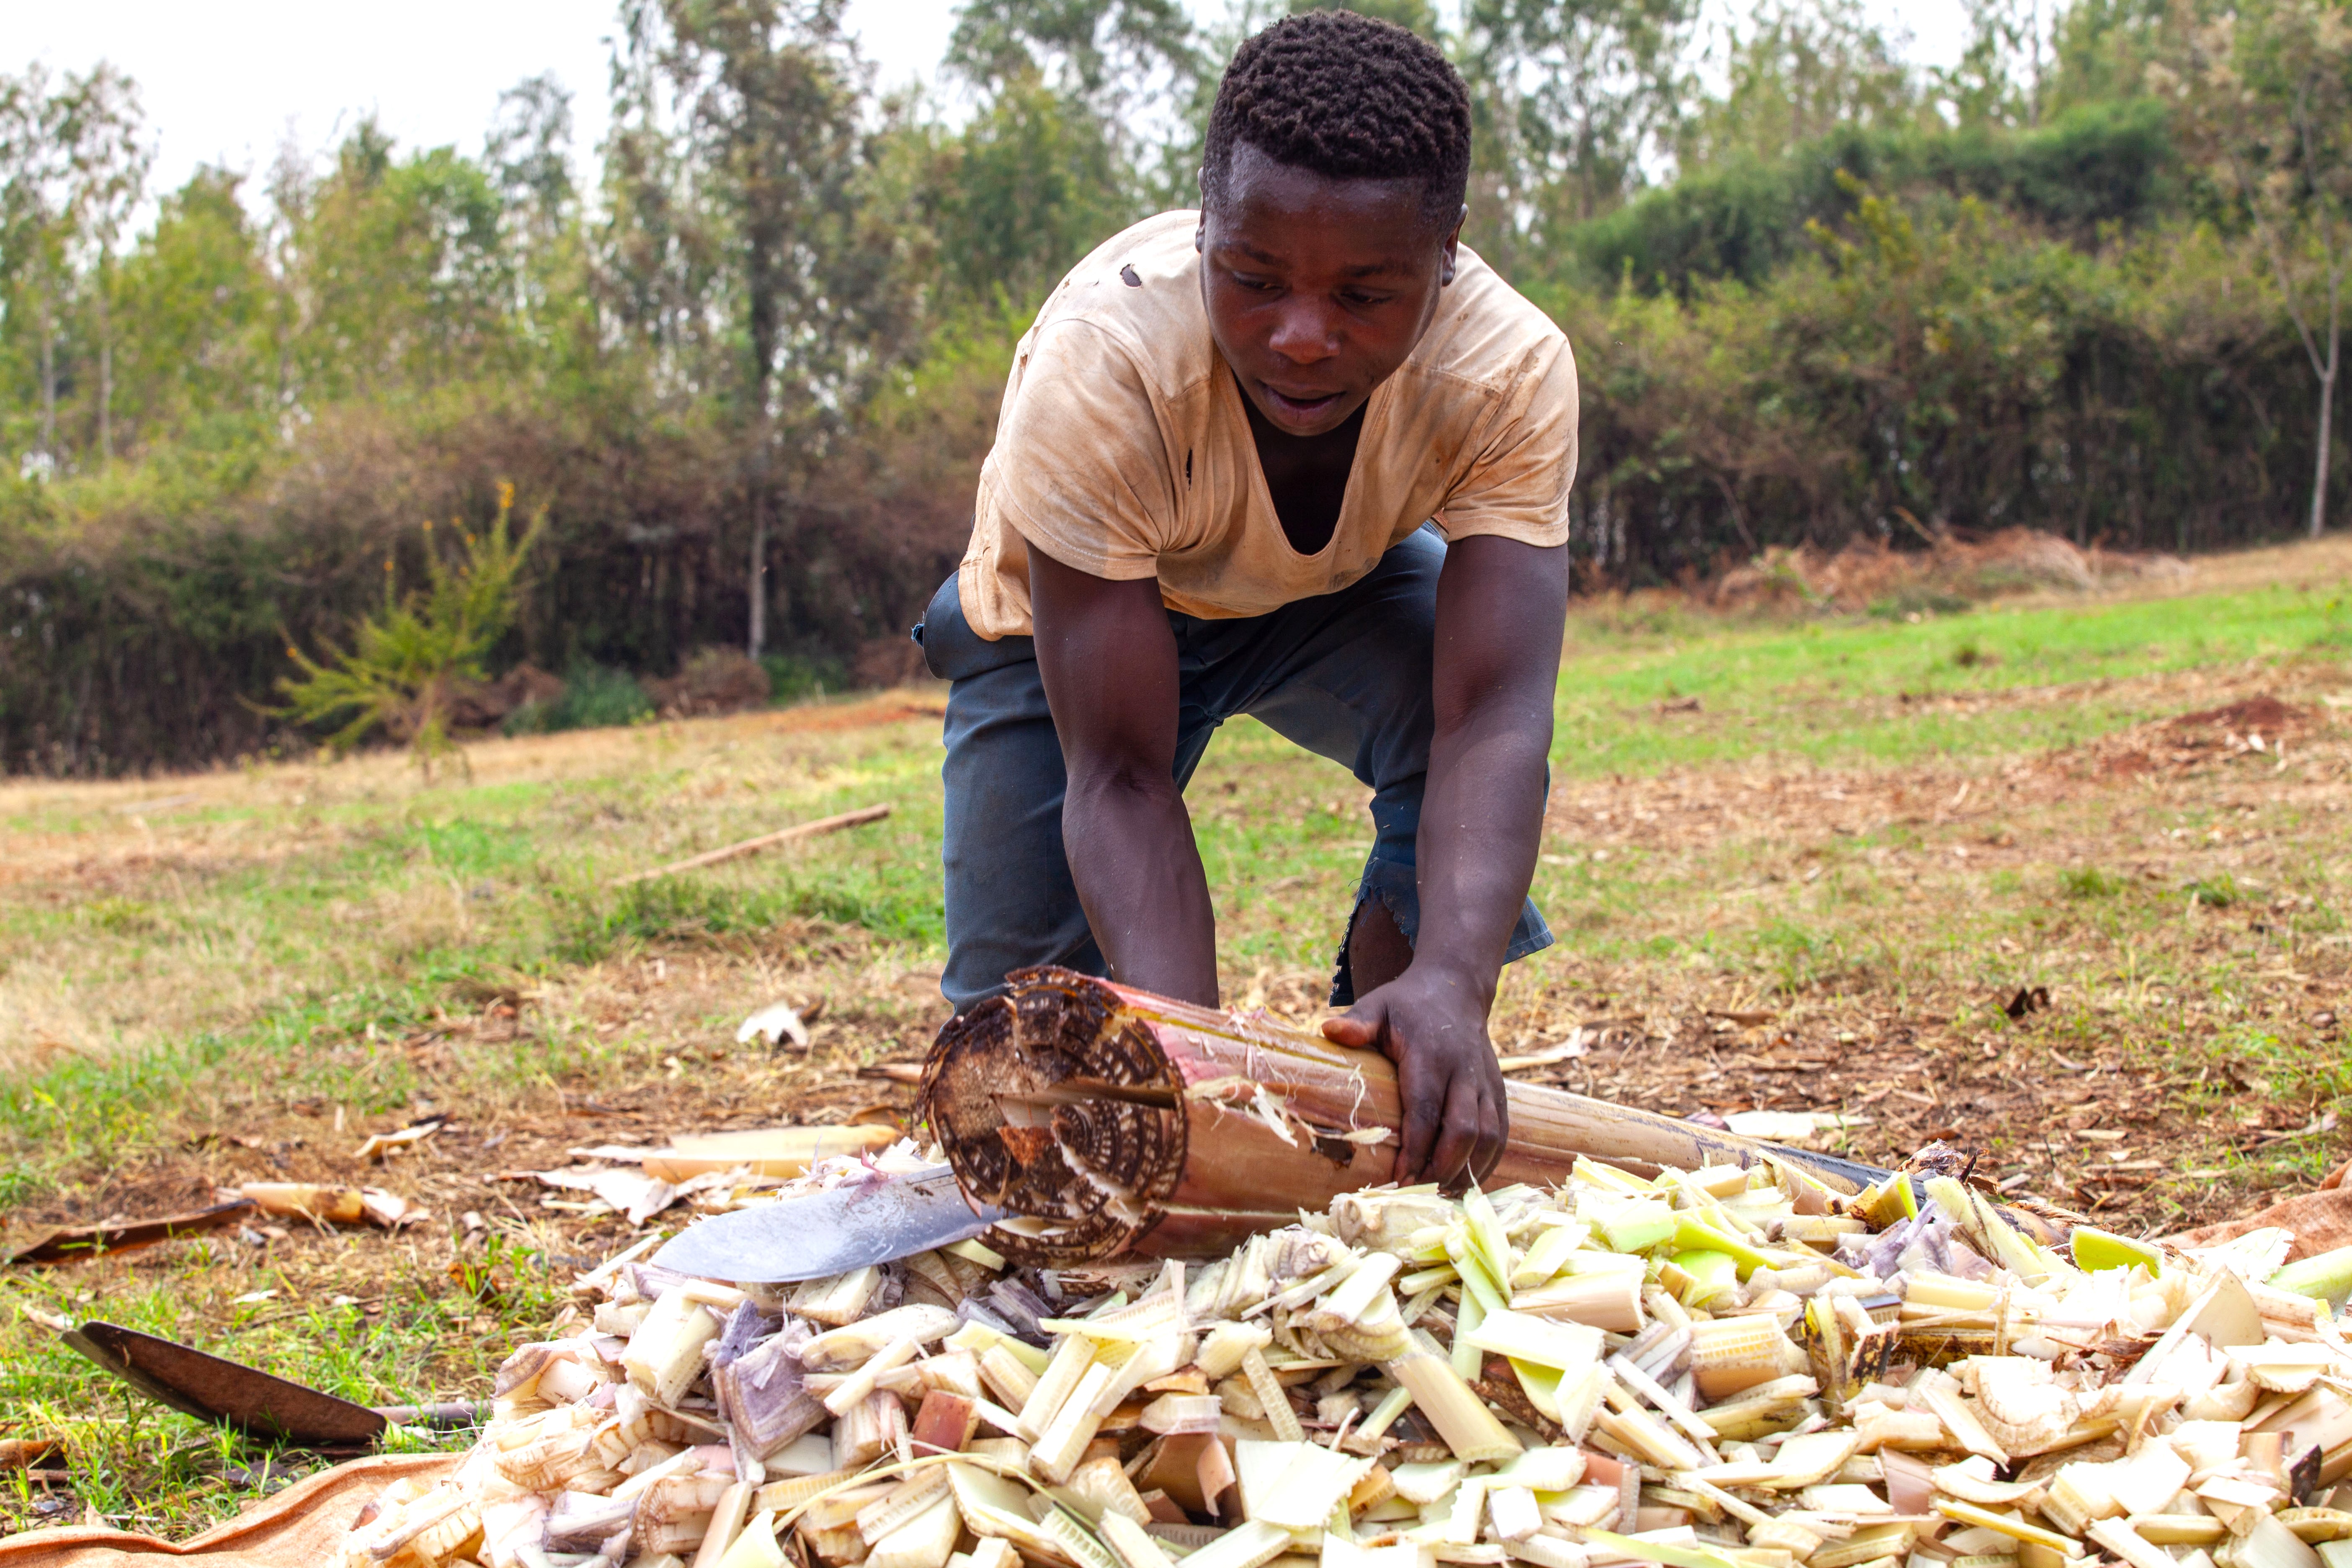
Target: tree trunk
x=50, y=395
x=1107, y=1120
x=105, y=389
x=2319, y=473
x=759, y=573
x=2327, y=412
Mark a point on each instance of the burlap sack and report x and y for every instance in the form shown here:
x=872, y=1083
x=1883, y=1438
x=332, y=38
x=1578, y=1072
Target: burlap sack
x=2321, y=1220
x=301, y=1527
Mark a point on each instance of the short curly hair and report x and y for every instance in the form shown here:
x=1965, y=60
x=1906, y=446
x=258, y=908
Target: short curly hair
x=1348, y=96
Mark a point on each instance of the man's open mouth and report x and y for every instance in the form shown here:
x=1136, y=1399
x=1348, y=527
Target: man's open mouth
x=1297, y=406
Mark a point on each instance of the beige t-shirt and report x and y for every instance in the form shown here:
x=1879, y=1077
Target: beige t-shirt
x=1123, y=448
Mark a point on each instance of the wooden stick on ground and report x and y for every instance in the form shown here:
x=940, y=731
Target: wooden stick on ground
x=864, y=814
x=1108, y=1120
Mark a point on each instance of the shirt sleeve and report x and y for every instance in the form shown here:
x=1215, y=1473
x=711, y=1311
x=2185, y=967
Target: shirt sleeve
x=1518, y=483
x=1079, y=467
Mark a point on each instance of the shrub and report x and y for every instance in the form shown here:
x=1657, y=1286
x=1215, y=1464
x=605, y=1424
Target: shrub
x=2097, y=165
x=593, y=698
x=402, y=668
x=796, y=678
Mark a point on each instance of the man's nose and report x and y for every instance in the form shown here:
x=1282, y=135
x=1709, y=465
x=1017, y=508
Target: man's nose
x=1305, y=332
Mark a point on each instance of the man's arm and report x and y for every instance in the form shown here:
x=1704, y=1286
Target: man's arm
x=1109, y=660
x=1500, y=608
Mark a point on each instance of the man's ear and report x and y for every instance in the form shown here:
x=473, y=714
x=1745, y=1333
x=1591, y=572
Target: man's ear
x=1447, y=254
x=1201, y=229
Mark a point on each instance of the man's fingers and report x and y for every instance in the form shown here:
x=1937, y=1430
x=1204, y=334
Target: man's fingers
x=1450, y=1166
x=1494, y=1125
x=1357, y=1034
x=1412, y=1147
x=1495, y=1116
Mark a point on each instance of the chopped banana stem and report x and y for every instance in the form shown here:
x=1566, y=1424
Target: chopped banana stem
x=1610, y=1300
x=1566, y=1348
x=851, y=1346
x=1394, y=1404
x=1269, y=1393
x=1250, y=1546
x=1674, y=1409
x=1466, y=1357
x=1669, y=1554
x=925, y=1541
x=2006, y=1524
x=859, y=1385
x=2327, y=1275
x=978, y=1253
x=1477, y=1282
x=1461, y=1419
x=1059, y=1448
x=1223, y=1347
x=1133, y=1547
x=1597, y=1407
x=1354, y=1296
x=1072, y=1361
x=726, y=1519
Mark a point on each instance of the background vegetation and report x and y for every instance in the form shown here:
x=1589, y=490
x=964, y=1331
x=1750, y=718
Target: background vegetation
x=746, y=353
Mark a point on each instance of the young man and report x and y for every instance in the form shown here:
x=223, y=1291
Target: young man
x=1296, y=456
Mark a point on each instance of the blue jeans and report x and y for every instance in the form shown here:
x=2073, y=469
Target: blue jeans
x=1345, y=675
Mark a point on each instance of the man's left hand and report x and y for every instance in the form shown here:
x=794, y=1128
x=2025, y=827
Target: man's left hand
x=1434, y=1027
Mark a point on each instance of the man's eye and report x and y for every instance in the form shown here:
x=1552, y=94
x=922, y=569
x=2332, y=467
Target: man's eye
x=1365, y=301
x=1262, y=284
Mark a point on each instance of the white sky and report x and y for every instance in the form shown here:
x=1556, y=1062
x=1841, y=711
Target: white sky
x=229, y=81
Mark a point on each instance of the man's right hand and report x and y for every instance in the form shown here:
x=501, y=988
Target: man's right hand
x=1109, y=660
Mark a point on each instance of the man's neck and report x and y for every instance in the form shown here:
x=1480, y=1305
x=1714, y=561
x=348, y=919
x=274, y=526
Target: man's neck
x=1307, y=476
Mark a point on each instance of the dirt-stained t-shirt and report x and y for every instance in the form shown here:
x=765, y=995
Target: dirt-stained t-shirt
x=1124, y=449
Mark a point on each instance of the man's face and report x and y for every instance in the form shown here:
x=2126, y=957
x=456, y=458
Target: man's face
x=1318, y=288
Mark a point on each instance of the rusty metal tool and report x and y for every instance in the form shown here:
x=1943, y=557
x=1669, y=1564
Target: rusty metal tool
x=231, y=1394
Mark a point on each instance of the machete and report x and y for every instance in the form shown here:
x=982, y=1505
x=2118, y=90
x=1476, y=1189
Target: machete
x=231, y=1394
x=829, y=1232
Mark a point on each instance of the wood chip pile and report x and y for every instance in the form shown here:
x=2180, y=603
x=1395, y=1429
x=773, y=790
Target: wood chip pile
x=1721, y=1368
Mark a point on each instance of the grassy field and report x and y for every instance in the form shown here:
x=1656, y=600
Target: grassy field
x=1799, y=862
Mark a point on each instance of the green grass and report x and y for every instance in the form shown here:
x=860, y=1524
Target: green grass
x=144, y=1466
x=1843, y=692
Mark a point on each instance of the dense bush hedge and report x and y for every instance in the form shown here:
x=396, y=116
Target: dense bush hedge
x=149, y=630
x=1943, y=366
x=2100, y=166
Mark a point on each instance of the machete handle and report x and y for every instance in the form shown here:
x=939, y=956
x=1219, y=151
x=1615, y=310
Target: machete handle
x=451, y=1413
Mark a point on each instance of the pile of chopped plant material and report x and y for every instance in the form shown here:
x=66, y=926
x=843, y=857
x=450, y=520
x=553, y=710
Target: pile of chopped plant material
x=1722, y=1368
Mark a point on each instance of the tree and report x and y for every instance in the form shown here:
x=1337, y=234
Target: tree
x=1107, y=54
x=737, y=166
x=1999, y=77
x=194, y=358
x=1799, y=70
x=2264, y=98
x=1030, y=185
x=527, y=156
x=97, y=125
x=1128, y=76
x=34, y=200
x=1571, y=99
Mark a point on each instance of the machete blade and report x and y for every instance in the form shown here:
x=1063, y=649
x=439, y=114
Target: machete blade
x=829, y=1232
x=214, y=1388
